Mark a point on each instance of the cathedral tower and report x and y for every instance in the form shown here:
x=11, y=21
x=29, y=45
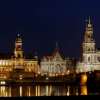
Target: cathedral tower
x=88, y=44
x=18, y=53
x=18, y=47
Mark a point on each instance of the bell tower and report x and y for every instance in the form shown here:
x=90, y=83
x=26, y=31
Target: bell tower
x=88, y=44
x=18, y=47
x=18, y=53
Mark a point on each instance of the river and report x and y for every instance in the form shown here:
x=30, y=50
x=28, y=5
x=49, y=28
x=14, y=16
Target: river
x=46, y=90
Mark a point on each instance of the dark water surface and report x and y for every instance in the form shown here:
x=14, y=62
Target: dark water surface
x=47, y=90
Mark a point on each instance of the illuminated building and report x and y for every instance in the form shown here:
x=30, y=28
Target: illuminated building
x=18, y=62
x=55, y=64
x=90, y=56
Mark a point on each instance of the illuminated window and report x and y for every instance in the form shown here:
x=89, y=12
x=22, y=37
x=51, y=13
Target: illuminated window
x=29, y=70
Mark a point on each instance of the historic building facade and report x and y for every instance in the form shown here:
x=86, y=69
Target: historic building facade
x=55, y=64
x=19, y=63
x=90, y=60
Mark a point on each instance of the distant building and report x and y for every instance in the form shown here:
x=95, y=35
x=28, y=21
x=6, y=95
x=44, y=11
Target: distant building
x=70, y=65
x=90, y=60
x=55, y=64
x=18, y=62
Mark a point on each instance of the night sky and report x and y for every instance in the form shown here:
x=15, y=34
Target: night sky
x=43, y=22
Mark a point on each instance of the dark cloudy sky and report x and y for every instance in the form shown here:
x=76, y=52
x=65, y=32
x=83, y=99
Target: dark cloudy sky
x=43, y=22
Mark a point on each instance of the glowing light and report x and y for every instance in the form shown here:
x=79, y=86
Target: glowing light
x=84, y=90
x=38, y=90
x=20, y=77
x=47, y=78
x=3, y=82
x=47, y=92
x=39, y=72
x=3, y=91
x=68, y=72
x=29, y=91
x=77, y=71
x=62, y=74
x=83, y=79
x=20, y=90
x=77, y=92
x=50, y=90
x=68, y=91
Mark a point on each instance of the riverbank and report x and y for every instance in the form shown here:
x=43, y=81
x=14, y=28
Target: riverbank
x=92, y=77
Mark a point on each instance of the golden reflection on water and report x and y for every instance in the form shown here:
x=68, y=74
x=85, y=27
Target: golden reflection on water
x=50, y=90
x=47, y=91
x=76, y=92
x=20, y=91
x=84, y=79
x=3, y=91
x=38, y=90
x=28, y=91
x=9, y=91
x=68, y=90
x=84, y=90
x=43, y=90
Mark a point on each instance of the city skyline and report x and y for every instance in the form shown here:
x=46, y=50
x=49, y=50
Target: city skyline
x=49, y=48
x=55, y=45
x=42, y=23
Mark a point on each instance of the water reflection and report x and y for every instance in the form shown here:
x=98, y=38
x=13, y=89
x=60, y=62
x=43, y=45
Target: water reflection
x=84, y=90
x=5, y=91
x=68, y=91
x=76, y=92
x=42, y=90
x=28, y=91
x=20, y=90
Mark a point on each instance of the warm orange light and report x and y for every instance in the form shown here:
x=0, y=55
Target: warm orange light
x=83, y=79
x=84, y=90
x=2, y=82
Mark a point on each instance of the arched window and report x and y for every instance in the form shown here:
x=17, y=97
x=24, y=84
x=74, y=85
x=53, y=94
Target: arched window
x=88, y=49
x=89, y=59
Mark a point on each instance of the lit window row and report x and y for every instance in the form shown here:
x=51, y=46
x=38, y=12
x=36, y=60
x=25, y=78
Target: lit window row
x=5, y=63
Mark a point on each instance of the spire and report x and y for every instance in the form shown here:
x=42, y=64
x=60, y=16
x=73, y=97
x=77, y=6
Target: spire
x=56, y=50
x=89, y=20
x=18, y=37
x=36, y=55
x=18, y=47
x=57, y=45
x=89, y=23
x=88, y=31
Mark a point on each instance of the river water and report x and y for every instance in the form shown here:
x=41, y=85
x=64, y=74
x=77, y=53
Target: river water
x=46, y=90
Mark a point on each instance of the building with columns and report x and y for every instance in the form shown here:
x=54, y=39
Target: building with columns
x=17, y=66
x=90, y=60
